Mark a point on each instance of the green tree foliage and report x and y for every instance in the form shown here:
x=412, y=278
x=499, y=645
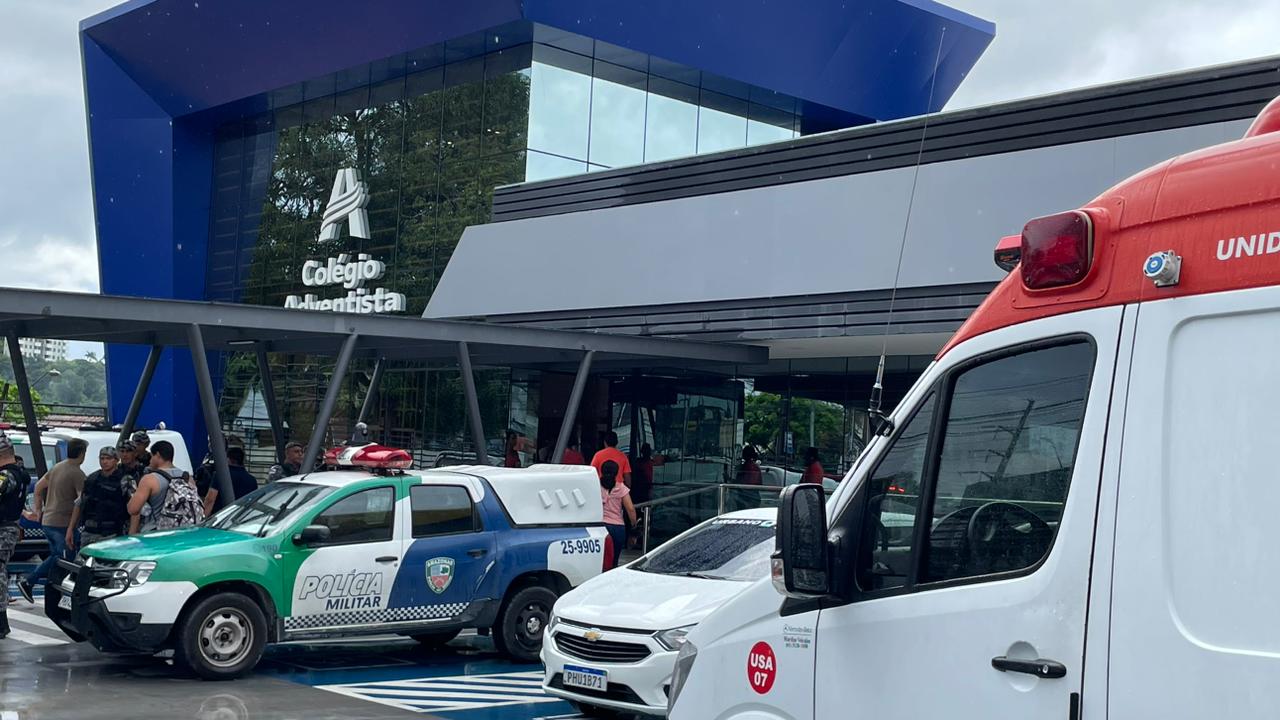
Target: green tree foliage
x=79, y=382
x=764, y=413
x=13, y=405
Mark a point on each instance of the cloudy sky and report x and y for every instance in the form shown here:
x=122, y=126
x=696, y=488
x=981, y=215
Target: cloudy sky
x=1041, y=46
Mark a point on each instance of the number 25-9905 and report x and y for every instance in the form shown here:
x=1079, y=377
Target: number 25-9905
x=584, y=546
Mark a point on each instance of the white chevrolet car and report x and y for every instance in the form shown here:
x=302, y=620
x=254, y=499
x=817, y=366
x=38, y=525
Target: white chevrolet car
x=613, y=640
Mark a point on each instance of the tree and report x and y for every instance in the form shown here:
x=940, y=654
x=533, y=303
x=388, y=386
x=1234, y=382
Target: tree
x=13, y=405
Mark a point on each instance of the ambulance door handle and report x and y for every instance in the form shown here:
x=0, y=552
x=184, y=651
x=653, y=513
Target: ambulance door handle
x=1048, y=669
x=477, y=553
x=387, y=559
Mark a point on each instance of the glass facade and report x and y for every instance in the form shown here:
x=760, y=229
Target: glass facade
x=431, y=134
x=586, y=114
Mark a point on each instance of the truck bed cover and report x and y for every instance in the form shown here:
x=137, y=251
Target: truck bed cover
x=544, y=494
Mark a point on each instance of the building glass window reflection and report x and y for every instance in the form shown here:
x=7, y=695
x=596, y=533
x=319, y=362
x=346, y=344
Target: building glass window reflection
x=671, y=125
x=722, y=123
x=560, y=104
x=617, y=116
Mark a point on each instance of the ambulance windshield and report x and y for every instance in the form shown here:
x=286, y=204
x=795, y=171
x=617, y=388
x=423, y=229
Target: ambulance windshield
x=268, y=508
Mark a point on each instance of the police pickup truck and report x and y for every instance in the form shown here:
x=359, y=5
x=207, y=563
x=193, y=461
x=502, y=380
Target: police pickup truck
x=366, y=549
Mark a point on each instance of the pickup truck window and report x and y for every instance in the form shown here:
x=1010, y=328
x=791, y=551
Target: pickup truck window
x=366, y=516
x=268, y=508
x=442, y=510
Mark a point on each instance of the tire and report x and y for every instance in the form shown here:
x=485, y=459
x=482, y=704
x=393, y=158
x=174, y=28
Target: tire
x=594, y=711
x=436, y=639
x=522, y=623
x=221, y=637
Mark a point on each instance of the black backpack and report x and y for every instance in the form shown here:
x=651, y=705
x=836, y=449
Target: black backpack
x=106, y=507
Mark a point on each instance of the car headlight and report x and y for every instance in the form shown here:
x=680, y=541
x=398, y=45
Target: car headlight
x=135, y=572
x=674, y=638
x=684, y=665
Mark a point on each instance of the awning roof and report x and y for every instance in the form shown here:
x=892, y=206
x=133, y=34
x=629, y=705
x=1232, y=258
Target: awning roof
x=146, y=321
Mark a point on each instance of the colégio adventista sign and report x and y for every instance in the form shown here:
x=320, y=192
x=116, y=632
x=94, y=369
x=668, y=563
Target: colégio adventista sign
x=347, y=203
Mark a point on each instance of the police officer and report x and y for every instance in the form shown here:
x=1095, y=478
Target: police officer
x=13, y=494
x=140, y=441
x=130, y=468
x=292, y=464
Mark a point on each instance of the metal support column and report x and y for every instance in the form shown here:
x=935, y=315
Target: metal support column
x=269, y=399
x=140, y=393
x=28, y=405
x=473, y=403
x=329, y=402
x=374, y=382
x=571, y=411
x=209, y=403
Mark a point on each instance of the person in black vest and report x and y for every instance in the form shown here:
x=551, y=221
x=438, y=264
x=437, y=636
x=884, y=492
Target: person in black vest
x=13, y=494
x=242, y=483
x=103, y=507
x=292, y=464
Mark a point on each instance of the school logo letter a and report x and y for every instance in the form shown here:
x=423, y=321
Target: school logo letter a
x=348, y=201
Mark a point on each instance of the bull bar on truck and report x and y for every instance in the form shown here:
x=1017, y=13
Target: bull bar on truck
x=89, y=618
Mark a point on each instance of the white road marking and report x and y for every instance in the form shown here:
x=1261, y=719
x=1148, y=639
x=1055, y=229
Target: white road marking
x=459, y=692
x=31, y=617
x=31, y=638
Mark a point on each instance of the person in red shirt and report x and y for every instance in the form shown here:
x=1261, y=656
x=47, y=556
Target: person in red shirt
x=572, y=455
x=813, y=472
x=514, y=445
x=642, y=485
x=609, y=452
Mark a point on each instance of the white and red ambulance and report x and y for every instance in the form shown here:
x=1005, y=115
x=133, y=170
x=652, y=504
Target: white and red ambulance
x=1092, y=465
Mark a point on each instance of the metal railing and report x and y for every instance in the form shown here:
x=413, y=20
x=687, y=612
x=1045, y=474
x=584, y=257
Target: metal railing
x=646, y=508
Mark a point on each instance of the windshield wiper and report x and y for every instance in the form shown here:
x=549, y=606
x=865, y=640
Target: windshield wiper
x=262, y=529
x=702, y=575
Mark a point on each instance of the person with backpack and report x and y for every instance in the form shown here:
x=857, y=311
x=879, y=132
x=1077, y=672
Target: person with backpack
x=166, y=497
x=103, y=507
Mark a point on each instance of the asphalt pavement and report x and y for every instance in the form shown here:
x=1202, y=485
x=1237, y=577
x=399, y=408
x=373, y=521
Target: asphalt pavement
x=45, y=676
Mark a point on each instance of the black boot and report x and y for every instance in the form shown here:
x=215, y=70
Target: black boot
x=4, y=624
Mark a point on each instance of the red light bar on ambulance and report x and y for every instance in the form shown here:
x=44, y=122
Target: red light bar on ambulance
x=373, y=457
x=1057, y=250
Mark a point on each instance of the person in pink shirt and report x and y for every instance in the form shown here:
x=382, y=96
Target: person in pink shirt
x=616, y=498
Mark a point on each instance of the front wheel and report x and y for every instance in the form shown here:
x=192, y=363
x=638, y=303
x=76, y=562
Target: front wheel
x=222, y=637
x=522, y=622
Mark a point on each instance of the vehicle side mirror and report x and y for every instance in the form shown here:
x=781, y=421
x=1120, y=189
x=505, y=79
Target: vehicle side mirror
x=312, y=535
x=801, y=560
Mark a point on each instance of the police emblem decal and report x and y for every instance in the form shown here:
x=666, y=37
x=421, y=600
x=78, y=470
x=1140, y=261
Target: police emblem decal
x=439, y=574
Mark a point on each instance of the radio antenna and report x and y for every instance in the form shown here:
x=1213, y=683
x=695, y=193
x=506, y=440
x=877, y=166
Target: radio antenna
x=882, y=424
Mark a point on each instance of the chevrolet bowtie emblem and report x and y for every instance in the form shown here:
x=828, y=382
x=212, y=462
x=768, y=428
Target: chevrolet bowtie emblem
x=593, y=635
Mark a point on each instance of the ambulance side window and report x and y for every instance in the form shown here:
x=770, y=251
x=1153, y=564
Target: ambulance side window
x=893, y=501
x=979, y=491
x=442, y=510
x=366, y=516
x=1006, y=456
